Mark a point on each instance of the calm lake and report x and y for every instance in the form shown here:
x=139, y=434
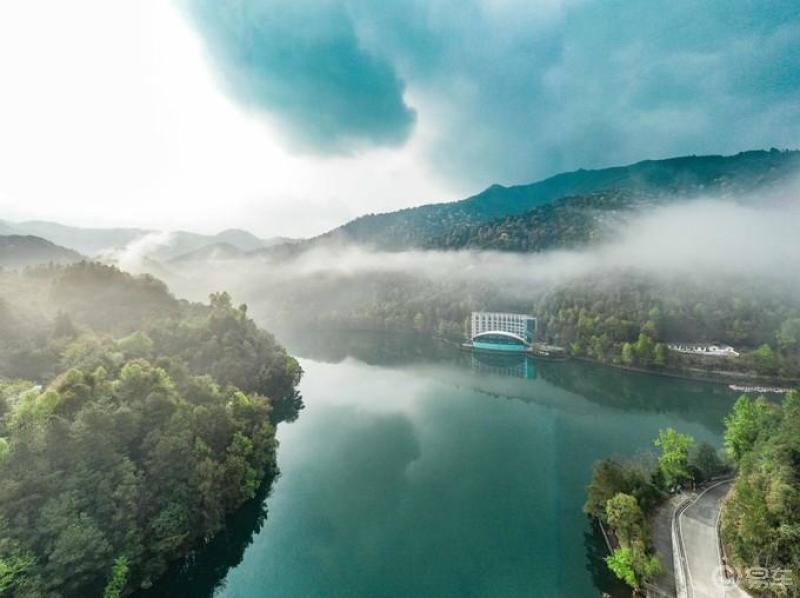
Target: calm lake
x=418, y=470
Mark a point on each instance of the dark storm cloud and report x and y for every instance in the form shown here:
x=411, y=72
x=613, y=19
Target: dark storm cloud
x=302, y=61
x=512, y=90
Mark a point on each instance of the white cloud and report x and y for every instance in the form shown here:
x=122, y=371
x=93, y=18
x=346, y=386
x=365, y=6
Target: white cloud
x=110, y=116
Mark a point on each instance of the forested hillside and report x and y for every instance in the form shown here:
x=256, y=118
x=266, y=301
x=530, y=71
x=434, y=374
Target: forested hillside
x=567, y=222
x=624, y=317
x=454, y=224
x=131, y=424
x=629, y=319
x=761, y=517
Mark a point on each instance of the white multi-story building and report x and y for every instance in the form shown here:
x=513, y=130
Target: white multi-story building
x=711, y=349
x=521, y=326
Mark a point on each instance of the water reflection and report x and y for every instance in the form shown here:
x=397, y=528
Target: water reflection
x=203, y=572
x=512, y=366
x=703, y=402
x=420, y=469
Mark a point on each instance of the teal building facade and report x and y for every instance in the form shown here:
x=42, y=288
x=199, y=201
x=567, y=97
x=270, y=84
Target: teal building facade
x=502, y=332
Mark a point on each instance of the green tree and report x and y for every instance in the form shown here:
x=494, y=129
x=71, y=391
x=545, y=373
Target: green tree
x=627, y=354
x=14, y=569
x=136, y=346
x=705, y=459
x=625, y=516
x=743, y=425
x=633, y=564
x=621, y=563
x=601, y=346
x=119, y=577
x=766, y=360
x=673, y=462
x=608, y=478
x=660, y=355
x=643, y=349
x=650, y=329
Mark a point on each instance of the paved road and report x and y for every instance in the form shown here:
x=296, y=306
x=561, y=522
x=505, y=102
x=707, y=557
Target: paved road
x=697, y=526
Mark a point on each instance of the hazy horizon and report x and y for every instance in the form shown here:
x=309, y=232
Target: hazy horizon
x=179, y=115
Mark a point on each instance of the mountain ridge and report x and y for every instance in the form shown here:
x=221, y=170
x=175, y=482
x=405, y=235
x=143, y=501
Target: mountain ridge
x=688, y=176
x=94, y=241
x=499, y=217
x=19, y=251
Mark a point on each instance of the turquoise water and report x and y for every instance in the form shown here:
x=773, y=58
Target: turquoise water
x=419, y=470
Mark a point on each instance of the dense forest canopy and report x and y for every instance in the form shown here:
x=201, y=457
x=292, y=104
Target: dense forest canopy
x=566, y=222
x=761, y=518
x=629, y=319
x=138, y=423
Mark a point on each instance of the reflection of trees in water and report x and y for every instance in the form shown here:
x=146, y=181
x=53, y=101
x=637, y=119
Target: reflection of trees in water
x=373, y=348
x=202, y=572
x=704, y=402
x=287, y=409
x=596, y=552
x=205, y=571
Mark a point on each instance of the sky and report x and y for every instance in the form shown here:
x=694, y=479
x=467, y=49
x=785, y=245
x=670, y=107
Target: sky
x=289, y=117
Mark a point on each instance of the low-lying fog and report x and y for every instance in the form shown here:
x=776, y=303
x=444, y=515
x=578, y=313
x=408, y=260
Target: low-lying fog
x=705, y=237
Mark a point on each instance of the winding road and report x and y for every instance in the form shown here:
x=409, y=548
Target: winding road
x=698, y=545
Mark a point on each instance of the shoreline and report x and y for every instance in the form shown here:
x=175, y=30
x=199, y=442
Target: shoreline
x=712, y=377
x=761, y=384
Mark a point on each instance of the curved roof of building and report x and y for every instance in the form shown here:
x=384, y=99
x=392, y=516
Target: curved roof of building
x=500, y=333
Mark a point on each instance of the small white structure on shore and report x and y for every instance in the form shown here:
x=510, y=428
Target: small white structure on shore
x=709, y=349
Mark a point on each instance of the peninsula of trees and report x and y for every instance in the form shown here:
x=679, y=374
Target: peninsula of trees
x=623, y=496
x=760, y=520
x=131, y=425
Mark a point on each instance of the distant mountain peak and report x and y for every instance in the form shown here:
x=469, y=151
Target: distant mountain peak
x=18, y=251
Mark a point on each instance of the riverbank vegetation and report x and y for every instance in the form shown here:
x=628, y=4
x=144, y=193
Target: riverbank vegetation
x=629, y=320
x=761, y=517
x=625, y=319
x=623, y=495
x=131, y=425
x=760, y=522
